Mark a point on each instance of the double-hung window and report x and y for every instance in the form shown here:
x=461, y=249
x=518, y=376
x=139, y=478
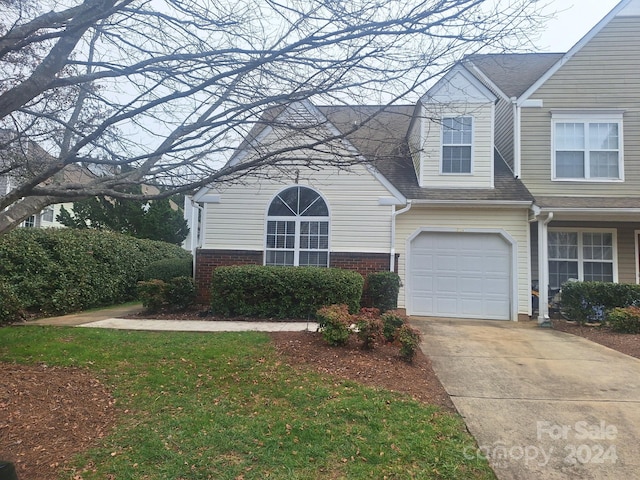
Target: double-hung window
x=457, y=143
x=582, y=255
x=298, y=229
x=587, y=147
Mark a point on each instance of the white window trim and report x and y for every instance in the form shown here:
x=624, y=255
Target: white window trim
x=580, y=259
x=586, y=118
x=442, y=145
x=297, y=220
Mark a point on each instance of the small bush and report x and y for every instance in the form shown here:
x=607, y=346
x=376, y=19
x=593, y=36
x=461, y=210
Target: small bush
x=588, y=301
x=392, y=321
x=11, y=309
x=168, y=268
x=152, y=294
x=369, y=327
x=282, y=292
x=180, y=293
x=624, y=320
x=409, y=339
x=382, y=289
x=335, y=322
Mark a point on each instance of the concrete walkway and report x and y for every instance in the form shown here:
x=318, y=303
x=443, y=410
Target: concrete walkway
x=541, y=404
x=110, y=318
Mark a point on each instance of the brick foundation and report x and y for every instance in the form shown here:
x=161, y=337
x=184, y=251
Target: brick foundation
x=207, y=260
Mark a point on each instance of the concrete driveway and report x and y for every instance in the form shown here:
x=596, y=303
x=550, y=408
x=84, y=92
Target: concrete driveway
x=541, y=404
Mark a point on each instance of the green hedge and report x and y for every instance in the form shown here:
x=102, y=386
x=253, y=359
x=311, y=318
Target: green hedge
x=168, y=268
x=589, y=301
x=383, y=288
x=57, y=271
x=282, y=292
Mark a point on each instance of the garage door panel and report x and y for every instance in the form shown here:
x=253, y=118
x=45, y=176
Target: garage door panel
x=460, y=274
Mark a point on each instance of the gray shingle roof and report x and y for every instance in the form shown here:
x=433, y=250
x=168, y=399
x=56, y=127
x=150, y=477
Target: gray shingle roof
x=383, y=142
x=551, y=202
x=513, y=73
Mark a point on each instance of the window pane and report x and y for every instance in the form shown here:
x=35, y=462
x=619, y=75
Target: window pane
x=563, y=245
x=598, y=272
x=278, y=208
x=570, y=164
x=603, y=136
x=569, y=136
x=456, y=159
x=604, y=165
x=279, y=257
x=561, y=271
x=597, y=246
x=314, y=259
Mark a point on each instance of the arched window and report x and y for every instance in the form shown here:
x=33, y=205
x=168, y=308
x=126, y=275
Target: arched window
x=298, y=229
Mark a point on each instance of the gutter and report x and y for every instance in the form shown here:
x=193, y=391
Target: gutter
x=394, y=214
x=476, y=203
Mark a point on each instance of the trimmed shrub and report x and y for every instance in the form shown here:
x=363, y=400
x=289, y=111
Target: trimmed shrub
x=624, y=320
x=335, y=322
x=391, y=322
x=369, y=327
x=282, y=292
x=589, y=301
x=409, y=339
x=59, y=271
x=152, y=294
x=180, y=293
x=10, y=305
x=382, y=288
x=177, y=294
x=168, y=268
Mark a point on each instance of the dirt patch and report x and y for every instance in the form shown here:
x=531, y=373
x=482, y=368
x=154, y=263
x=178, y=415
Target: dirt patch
x=381, y=367
x=626, y=343
x=48, y=414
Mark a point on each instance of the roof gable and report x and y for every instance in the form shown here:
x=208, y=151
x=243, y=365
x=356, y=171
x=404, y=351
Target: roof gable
x=458, y=86
x=625, y=8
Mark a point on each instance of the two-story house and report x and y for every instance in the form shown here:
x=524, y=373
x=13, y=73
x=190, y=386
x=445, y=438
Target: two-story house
x=511, y=169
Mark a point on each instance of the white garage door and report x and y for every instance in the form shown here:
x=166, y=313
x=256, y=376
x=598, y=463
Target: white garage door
x=466, y=275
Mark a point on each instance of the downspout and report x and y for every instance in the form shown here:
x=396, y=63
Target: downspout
x=517, y=170
x=394, y=214
x=196, y=209
x=543, y=271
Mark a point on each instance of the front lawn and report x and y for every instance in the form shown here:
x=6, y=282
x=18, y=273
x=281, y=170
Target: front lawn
x=225, y=406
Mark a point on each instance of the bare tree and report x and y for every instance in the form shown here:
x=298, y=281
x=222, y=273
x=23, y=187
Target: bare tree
x=161, y=91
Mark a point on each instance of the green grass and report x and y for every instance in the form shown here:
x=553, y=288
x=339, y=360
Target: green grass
x=224, y=406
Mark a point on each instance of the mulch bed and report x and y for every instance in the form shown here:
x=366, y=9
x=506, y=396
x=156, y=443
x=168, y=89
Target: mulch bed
x=626, y=343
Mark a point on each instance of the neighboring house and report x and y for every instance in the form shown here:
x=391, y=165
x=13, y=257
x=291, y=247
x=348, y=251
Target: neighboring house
x=511, y=170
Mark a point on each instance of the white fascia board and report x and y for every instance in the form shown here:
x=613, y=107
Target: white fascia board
x=482, y=89
x=475, y=203
x=575, y=49
x=611, y=211
x=479, y=73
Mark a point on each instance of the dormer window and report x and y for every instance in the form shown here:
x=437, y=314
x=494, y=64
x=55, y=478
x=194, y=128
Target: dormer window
x=587, y=147
x=457, y=142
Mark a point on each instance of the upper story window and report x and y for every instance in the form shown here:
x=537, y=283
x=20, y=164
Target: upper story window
x=297, y=229
x=47, y=214
x=457, y=142
x=587, y=147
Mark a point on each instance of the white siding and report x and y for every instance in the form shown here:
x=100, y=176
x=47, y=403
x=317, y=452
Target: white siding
x=512, y=221
x=482, y=150
x=358, y=223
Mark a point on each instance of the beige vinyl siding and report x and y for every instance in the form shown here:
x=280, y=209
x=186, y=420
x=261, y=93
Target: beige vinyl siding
x=482, y=148
x=357, y=222
x=512, y=221
x=504, y=131
x=415, y=144
x=603, y=74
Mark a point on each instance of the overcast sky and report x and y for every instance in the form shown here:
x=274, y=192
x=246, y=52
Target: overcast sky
x=574, y=19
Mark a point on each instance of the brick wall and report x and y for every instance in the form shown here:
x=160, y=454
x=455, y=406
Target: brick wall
x=208, y=260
